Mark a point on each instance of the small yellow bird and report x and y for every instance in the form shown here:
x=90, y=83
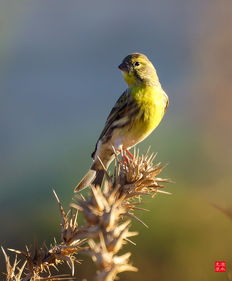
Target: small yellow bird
x=135, y=115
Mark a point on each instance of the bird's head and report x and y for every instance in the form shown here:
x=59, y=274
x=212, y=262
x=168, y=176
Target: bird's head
x=138, y=70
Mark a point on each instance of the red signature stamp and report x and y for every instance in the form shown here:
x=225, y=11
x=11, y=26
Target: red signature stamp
x=220, y=266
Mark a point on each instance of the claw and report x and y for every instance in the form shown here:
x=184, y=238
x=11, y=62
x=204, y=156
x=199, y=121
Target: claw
x=129, y=154
x=126, y=154
x=125, y=158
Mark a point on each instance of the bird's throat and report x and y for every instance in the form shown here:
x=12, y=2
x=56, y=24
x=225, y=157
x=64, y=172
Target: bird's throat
x=129, y=78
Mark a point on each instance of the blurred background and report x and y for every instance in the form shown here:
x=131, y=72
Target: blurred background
x=59, y=80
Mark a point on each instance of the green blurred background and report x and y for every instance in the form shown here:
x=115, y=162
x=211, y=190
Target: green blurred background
x=59, y=80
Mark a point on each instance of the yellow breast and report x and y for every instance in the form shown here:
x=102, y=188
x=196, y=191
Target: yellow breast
x=152, y=103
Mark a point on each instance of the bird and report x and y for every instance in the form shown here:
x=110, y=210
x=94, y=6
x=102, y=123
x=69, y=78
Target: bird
x=137, y=112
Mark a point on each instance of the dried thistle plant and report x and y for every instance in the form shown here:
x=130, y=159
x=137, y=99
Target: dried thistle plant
x=40, y=260
x=13, y=271
x=16, y=271
x=107, y=213
x=105, y=209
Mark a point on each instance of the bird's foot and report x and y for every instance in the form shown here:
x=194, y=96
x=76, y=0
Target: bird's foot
x=131, y=156
x=126, y=155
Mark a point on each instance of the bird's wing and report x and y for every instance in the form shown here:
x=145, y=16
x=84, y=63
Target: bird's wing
x=119, y=116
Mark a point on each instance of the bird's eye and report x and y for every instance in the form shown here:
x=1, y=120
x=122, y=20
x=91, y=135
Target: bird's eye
x=136, y=63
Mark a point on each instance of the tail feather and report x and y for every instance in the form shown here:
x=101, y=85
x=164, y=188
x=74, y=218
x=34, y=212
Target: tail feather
x=91, y=177
x=86, y=180
x=96, y=173
x=99, y=178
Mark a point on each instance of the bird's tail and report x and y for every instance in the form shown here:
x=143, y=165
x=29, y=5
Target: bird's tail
x=95, y=174
x=99, y=177
x=91, y=177
x=86, y=180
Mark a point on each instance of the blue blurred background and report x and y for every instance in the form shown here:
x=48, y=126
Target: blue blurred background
x=59, y=80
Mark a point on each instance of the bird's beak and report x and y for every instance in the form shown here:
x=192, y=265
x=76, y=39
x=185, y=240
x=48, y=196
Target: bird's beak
x=123, y=67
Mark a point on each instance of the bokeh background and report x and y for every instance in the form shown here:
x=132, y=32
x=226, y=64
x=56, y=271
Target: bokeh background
x=59, y=80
